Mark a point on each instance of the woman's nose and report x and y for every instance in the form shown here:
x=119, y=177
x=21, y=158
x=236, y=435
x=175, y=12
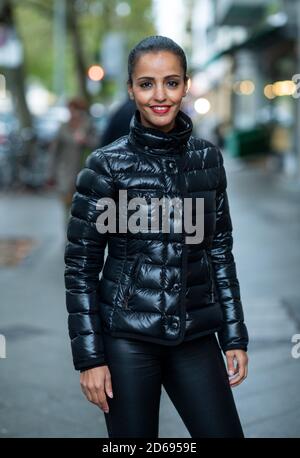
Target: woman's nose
x=160, y=94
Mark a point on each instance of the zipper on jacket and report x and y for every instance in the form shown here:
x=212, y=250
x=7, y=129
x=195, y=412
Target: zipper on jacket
x=133, y=275
x=183, y=188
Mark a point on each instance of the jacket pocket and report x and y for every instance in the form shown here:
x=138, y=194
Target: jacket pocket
x=210, y=272
x=129, y=290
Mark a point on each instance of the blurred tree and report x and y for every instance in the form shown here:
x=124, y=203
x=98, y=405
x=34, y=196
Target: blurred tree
x=88, y=22
x=15, y=74
x=80, y=61
x=15, y=80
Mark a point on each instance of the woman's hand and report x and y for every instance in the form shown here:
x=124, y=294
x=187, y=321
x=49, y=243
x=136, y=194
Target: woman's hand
x=95, y=384
x=238, y=373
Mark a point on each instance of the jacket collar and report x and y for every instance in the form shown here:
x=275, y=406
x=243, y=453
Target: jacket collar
x=156, y=141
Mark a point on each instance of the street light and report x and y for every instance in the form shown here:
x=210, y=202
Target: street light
x=95, y=72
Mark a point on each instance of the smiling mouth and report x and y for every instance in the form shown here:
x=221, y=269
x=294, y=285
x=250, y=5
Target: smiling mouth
x=160, y=109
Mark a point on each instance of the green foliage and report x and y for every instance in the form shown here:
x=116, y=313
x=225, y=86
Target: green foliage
x=95, y=18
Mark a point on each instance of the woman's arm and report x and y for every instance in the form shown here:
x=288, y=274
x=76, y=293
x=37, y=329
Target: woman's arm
x=234, y=334
x=84, y=258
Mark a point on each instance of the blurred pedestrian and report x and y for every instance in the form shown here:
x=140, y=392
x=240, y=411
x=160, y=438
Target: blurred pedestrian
x=219, y=134
x=118, y=123
x=74, y=138
x=151, y=319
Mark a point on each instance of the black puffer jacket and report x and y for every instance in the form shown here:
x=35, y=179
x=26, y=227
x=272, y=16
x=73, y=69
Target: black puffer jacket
x=153, y=286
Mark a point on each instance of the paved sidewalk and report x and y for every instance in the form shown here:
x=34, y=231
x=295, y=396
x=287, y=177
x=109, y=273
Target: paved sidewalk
x=266, y=218
x=40, y=392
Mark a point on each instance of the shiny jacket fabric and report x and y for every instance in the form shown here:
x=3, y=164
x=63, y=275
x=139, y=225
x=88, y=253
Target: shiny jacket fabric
x=152, y=286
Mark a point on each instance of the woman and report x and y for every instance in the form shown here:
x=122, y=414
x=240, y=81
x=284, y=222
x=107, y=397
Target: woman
x=151, y=319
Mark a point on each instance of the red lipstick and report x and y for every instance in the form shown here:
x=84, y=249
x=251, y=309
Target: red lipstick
x=160, y=109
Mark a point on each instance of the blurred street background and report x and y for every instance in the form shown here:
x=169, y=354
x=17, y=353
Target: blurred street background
x=63, y=94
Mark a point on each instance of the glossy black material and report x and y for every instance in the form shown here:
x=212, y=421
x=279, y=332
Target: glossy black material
x=194, y=376
x=154, y=287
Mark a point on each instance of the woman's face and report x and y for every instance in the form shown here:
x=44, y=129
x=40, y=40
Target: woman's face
x=158, y=87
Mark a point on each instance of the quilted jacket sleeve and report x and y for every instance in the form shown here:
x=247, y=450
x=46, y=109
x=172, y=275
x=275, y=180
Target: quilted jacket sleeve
x=84, y=258
x=233, y=334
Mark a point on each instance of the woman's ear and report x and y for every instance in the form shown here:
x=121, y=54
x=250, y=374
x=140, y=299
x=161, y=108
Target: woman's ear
x=187, y=85
x=130, y=93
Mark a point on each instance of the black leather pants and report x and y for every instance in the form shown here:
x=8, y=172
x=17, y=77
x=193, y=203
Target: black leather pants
x=193, y=374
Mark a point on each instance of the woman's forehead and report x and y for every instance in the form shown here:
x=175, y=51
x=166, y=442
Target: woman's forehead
x=158, y=63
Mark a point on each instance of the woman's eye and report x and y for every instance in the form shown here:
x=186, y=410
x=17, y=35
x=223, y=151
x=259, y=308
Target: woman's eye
x=146, y=84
